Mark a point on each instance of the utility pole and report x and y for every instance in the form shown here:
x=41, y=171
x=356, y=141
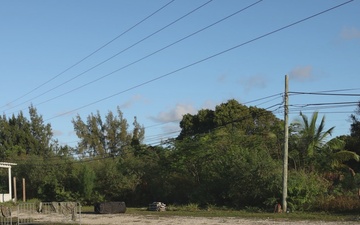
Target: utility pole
x=24, y=190
x=286, y=144
x=15, y=191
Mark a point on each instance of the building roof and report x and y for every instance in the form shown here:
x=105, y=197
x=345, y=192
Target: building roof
x=7, y=164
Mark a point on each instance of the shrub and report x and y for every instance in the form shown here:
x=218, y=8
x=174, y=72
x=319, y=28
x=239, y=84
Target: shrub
x=304, y=189
x=192, y=207
x=342, y=204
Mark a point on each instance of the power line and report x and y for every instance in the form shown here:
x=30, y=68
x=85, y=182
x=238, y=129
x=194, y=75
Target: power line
x=274, y=95
x=207, y=58
x=322, y=93
x=325, y=104
x=162, y=136
x=336, y=90
x=156, y=140
x=113, y=56
x=147, y=56
x=88, y=56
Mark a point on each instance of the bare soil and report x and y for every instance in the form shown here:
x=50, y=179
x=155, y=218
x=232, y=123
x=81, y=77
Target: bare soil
x=132, y=219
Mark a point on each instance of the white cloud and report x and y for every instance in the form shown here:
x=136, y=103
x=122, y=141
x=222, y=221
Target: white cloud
x=175, y=114
x=57, y=133
x=350, y=33
x=134, y=99
x=251, y=82
x=209, y=105
x=301, y=74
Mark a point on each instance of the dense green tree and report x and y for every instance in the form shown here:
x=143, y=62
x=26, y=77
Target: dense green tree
x=203, y=122
x=19, y=135
x=86, y=178
x=234, y=116
x=353, y=140
x=41, y=134
x=99, y=138
x=234, y=119
x=334, y=156
x=213, y=169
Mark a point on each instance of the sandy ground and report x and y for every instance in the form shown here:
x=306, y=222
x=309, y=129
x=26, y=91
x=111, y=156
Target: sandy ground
x=133, y=219
x=130, y=219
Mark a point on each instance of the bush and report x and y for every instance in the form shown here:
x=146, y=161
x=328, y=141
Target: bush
x=339, y=204
x=304, y=189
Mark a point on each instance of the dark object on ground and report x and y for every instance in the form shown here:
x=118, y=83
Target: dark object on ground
x=110, y=207
x=278, y=208
x=157, y=206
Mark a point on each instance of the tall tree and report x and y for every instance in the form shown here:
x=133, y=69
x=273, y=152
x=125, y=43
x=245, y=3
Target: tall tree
x=232, y=115
x=41, y=133
x=19, y=135
x=311, y=138
x=109, y=138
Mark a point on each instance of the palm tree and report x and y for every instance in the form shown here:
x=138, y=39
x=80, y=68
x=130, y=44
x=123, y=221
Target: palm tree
x=312, y=138
x=337, y=155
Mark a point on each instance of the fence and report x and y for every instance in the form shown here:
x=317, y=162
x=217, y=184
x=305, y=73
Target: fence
x=42, y=213
x=5, y=216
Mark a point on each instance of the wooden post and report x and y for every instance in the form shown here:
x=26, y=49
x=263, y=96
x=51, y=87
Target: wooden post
x=24, y=190
x=15, y=191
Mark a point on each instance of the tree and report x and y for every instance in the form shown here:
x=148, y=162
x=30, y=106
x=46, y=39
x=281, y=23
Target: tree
x=20, y=136
x=237, y=122
x=336, y=155
x=224, y=156
x=107, y=138
x=41, y=133
x=310, y=138
x=235, y=117
x=203, y=122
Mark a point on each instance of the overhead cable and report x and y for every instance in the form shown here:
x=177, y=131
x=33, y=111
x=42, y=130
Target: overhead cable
x=147, y=56
x=207, y=58
x=86, y=57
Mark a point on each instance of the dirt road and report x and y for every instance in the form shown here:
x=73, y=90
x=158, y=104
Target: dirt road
x=131, y=219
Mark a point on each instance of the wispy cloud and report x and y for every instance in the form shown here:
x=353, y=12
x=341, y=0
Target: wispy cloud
x=301, y=73
x=350, y=33
x=209, y=104
x=222, y=78
x=134, y=99
x=251, y=82
x=57, y=133
x=175, y=114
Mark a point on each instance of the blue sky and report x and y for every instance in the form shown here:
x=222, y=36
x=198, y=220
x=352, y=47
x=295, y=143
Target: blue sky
x=78, y=56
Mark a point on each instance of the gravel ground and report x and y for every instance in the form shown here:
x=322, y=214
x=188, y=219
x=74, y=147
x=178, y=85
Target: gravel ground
x=130, y=219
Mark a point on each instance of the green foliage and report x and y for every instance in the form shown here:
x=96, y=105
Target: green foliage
x=99, y=138
x=334, y=156
x=227, y=157
x=232, y=115
x=21, y=136
x=192, y=207
x=216, y=170
x=307, y=139
x=304, y=189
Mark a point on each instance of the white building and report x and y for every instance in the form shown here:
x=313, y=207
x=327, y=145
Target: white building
x=5, y=197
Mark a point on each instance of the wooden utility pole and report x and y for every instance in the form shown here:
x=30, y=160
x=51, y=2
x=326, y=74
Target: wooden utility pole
x=15, y=191
x=24, y=190
x=286, y=144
